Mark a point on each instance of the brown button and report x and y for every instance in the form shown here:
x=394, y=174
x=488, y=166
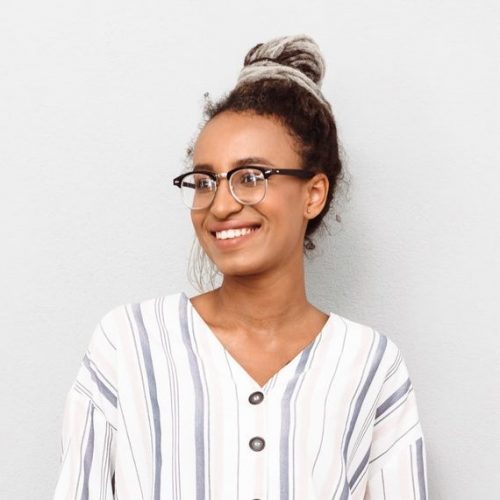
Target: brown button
x=257, y=443
x=256, y=397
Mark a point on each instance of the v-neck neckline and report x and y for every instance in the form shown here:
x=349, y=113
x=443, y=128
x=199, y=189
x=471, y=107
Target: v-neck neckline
x=222, y=348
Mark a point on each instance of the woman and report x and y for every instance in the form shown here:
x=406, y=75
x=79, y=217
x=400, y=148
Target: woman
x=247, y=391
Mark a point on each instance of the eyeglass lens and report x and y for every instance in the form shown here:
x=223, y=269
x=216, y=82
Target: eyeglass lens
x=248, y=186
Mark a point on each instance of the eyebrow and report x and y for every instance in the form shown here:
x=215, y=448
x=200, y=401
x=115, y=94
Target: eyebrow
x=249, y=160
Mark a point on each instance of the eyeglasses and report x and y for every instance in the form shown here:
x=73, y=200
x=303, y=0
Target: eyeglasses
x=247, y=184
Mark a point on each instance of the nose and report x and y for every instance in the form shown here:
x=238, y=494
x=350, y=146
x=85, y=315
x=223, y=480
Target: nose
x=224, y=203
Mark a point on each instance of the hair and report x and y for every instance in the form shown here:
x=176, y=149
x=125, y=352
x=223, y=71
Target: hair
x=282, y=79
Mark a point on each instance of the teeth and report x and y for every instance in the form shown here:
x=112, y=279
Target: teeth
x=233, y=233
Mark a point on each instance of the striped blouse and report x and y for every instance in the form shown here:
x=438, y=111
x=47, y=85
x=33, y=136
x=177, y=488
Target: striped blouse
x=159, y=409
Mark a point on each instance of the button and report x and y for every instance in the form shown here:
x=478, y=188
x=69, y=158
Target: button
x=257, y=443
x=256, y=397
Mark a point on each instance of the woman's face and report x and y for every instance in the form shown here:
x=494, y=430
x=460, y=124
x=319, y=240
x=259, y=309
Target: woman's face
x=278, y=222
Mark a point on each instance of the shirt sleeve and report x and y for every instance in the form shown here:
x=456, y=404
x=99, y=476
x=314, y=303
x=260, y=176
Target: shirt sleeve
x=88, y=436
x=397, y=467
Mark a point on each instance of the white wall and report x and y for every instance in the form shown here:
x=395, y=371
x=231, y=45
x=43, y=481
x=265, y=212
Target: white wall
x=98, y=100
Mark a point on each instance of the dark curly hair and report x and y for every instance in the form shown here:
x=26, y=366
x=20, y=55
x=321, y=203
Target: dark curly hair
x=309, y=120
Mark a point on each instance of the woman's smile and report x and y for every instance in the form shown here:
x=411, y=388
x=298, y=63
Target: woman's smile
x=234, y=237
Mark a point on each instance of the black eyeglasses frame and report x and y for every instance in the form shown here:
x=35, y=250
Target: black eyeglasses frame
x=266, y=172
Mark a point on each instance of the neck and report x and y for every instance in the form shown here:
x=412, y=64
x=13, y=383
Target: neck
x=264, y=301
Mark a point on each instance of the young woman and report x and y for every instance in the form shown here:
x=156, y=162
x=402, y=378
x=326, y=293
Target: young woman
x=247, y=391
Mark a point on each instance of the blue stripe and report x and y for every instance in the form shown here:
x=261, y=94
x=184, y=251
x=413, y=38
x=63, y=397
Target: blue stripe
x=89, y=452
x=285, y=423
x=382, y=344
x=148, y=364
x=395, y=396
x=207, y=402
x=103, y=389
x=360, y=469
x=420, y=468
x=199, y=402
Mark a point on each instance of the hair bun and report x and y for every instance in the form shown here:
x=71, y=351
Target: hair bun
x=300, y=52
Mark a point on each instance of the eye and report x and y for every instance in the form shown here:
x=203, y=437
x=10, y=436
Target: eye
x=203, y=183
x=249, y=177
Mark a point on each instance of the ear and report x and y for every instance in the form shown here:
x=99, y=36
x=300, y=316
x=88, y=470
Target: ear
x=317, y=190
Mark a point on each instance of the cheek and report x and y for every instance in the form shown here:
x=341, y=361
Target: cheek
x=288, y=207
x=196, y=221
x=195, y=218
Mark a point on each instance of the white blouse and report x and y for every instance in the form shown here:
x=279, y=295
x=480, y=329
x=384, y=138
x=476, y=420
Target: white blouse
x=160, y=409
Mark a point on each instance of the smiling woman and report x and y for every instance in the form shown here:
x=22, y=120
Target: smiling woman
x=247, y=391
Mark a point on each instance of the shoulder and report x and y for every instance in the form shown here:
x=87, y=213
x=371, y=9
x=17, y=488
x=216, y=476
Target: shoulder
x=382, y=380
x=170, y=301
x=122, y=317
x=369, y=358
x=378, y=347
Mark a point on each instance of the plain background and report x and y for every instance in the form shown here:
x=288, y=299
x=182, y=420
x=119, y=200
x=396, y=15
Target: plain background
x=99, y=100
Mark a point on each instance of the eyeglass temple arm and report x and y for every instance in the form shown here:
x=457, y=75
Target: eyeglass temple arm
x=305, y=174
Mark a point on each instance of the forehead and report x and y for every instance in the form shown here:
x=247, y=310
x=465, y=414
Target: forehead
x=230, y=136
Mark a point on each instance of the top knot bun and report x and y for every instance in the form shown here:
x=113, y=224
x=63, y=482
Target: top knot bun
x=295, y=58
x=299, y=52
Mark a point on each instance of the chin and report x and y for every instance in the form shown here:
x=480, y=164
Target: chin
x=240, y=266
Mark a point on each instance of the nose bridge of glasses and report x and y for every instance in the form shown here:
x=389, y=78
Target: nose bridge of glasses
x=221, y=175
x=218, y=177
x=217, y=194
